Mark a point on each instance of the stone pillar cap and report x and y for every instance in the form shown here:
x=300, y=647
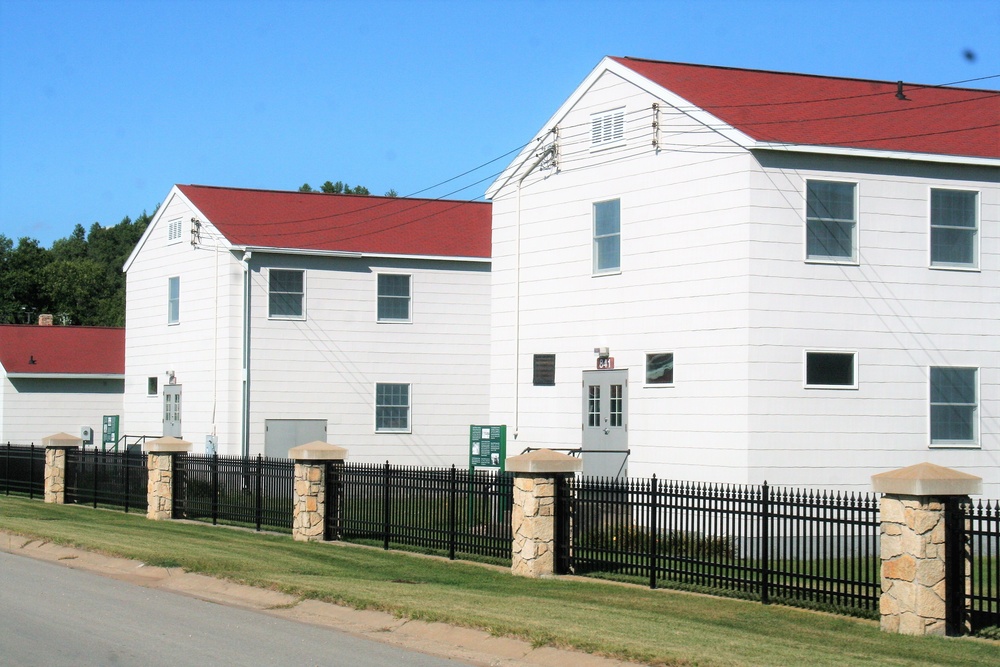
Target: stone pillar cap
x=544, y=461
x=64, y=440
x=318, y=451
x=166, y=445
x=927, y=479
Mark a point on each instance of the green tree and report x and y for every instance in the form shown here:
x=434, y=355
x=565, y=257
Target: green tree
x=21, y=294
x=340, y=188
x=79, y=278
x=72, y=247
x=78, y=289
x=305, y=187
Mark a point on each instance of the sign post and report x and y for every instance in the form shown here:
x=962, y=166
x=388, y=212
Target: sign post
x=488, y=447
x=109, y=431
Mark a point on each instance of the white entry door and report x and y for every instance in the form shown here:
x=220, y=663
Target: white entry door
x=172, y=410
x=605, y=423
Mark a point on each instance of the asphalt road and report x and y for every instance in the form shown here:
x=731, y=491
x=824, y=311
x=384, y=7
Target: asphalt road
x=53, y=616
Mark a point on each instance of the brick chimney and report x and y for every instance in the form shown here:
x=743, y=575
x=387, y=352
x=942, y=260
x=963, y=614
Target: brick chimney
x=44, y=320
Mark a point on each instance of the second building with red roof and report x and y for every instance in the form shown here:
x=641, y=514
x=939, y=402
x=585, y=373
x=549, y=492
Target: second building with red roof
x=260, y=320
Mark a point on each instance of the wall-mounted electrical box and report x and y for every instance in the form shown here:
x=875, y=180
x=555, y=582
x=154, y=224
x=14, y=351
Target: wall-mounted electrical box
x=87, y=435
x=211, y=445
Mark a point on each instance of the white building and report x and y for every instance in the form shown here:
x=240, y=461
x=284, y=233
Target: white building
x=260, y=320
x=782, y=277
x=59, y=380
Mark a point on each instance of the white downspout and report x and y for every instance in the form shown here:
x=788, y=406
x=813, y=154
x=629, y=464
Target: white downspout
x=245, y=408
x=215, y=352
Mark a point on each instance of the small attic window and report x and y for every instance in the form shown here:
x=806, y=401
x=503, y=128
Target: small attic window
x=174, y=231
x=607, y=128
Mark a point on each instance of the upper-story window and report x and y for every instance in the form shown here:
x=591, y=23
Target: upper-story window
x=286, y=294
x=831, y=221
x=607, y=236
x=393, y=298
x=173, y=300
x=954, y=228
x=174, y=229
x=607, y=128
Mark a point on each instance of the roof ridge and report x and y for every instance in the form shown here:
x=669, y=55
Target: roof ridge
x=805, y=74
x=327, y=194
x=60, y=326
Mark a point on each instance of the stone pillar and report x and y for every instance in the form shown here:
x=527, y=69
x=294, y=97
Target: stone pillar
x=533, y=519
x=309, y=498
x=160, y=467
x=55, y=465
x=915, y=586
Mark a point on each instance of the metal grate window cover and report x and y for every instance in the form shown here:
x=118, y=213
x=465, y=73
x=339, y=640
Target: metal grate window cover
x=544, y=367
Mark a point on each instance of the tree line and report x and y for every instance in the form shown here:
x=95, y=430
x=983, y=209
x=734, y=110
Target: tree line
x=78, y=280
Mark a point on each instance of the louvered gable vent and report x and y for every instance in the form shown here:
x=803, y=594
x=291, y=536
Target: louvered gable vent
x=607, y=127
x=174, y=230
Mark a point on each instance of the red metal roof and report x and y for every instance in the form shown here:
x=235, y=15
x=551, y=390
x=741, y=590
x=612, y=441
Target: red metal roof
x=829, y=111
x=346, y=223
x=62, y=350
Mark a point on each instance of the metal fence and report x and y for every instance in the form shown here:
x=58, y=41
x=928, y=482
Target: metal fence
x=108, y=479
x=253, y=492
x=798, y=547
x=448, y=510
x=982, y=529
x=22, y=469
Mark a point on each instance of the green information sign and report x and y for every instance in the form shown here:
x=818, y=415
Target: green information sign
x=109, y=431
x=487, y=447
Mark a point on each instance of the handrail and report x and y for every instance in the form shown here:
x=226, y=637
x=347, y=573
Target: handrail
x=137, y=440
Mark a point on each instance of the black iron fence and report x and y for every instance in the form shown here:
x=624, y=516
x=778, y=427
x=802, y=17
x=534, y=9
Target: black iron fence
x=22, y=470
x=107, y=479
x=253, y=492
x=982, y=529
x=447, y=510
x=798, y=547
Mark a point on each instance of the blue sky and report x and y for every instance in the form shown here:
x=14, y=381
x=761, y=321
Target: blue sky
x=105, y=105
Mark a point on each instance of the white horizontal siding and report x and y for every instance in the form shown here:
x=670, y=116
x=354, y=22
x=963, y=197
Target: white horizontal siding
x=326, y=366
x=31, y=409
x=898, y=315
x=203, y=350
x=713, y=269
x=682, y=288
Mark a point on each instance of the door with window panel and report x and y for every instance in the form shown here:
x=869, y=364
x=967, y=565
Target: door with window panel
x=605, y=423
x=172, y=410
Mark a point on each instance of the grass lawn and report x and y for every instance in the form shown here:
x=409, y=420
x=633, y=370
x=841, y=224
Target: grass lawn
x=631, y=622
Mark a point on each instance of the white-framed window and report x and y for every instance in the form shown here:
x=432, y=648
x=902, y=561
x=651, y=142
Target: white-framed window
x=831, y=221
x=286, y=294
x=392, y=407
x=831, y=369
x=954, y=228
x=173, y=300
x=607, y=236
x=660, y=369
x=954, y=406
x=393, y=297
x=607, y=128
x=152, y=386
x=174, y=230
